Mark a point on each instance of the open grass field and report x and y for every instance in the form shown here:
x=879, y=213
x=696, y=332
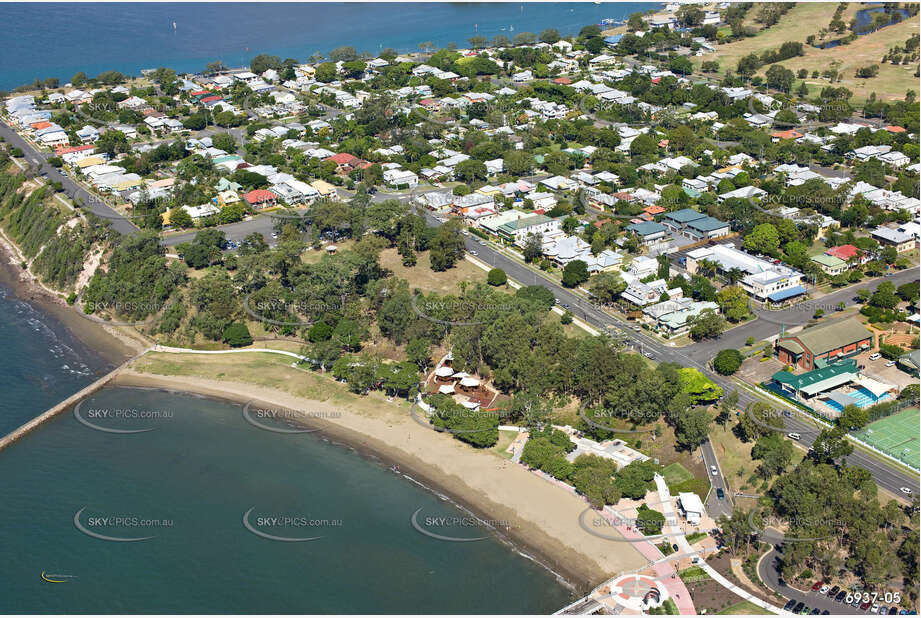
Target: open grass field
x=676, y=473
x=808, y=18
x=422, y=277
x=896, y=435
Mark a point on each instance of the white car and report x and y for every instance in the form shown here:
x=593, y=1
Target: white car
x=890, y=363
x=793, y=436
x=824, y=589
x=714, y=471
x=473, y=253
x=905, y=490
x=875, y=356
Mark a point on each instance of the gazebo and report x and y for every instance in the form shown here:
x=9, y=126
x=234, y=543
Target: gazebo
x=469, y=383
x=444, y=374
x=446, y=389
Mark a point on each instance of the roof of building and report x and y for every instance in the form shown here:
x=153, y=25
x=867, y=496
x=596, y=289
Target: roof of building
x=818, y=380
x=684, y=215
x=646, y=228
x=829, y=261
x=825, y=337
x=257, y=196
x=707, y=224
x=843, y=252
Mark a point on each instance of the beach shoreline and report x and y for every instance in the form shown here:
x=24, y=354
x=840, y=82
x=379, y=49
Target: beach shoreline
x=111, y=345
x=545, y=520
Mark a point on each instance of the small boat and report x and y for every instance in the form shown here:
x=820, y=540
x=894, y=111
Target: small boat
x=52, y=581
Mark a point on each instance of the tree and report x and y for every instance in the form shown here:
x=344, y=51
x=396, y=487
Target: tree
x=727, y=362
x=706, y=325
x=607, y=287
x=180, y=218
x=263, y=62
x=343, y=54
x=478, y=41
x=79, y=79
x=575, y=273
x=699, y=387
x=447, y=246
x=497, y=277
x=691, y=428
x=224, y=141
x=533, y=248
x=470, y=170
x=237, y=334
x=831, y=444
x=643, y=145
x=524, y=38
x=775, y=454
x=733, y=302
x=550, y=36
x=763, y=239
x=853, y=417
x=325, y=72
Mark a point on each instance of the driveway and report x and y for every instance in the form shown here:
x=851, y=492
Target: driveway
x=770, y=576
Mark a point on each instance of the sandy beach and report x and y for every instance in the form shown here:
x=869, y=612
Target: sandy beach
x=544, y=518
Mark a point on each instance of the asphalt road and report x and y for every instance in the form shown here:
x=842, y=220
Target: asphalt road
x=696, y=355
x=90, y=201
x=767, y=571
x=715, y=506
x=769, y=323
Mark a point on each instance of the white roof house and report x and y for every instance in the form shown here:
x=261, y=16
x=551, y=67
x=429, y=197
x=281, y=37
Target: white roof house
x=692, y=506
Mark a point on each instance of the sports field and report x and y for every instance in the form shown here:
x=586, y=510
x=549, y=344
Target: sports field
x=896, y=435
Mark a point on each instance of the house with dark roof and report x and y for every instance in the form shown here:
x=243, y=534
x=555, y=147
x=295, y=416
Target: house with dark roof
x=820, y=345
x=649, y=232
x=695, y=225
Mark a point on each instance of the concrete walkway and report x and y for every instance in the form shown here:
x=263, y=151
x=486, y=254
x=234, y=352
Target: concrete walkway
x=718, y=577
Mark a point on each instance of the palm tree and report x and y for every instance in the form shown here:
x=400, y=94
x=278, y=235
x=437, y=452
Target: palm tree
x=734, y=275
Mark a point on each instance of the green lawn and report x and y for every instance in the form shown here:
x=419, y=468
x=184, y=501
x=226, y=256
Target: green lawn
x=676, y=473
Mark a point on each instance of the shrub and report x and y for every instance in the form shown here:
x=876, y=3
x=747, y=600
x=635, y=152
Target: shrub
x=497, y=277
x=237, y=334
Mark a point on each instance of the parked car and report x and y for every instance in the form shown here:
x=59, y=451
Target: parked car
x=874, y=609
x=833, y=591
x=875, y=356
x=824, y=589
x=890, y=363
x=840, y=596
x=789, y=605
x=816, y=585
x=864, y=606
x=799, y=607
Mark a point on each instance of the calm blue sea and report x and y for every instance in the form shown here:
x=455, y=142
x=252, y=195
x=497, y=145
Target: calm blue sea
x=185, y=487
x=58, y=39
x=41, y=362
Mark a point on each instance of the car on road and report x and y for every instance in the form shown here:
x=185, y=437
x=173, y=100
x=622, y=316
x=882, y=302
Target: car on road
x=720, y=494
x=905, y=490
x=558, y=301
x=795, y=436
x=473, y=253
x=636, y=328
x=713, y=470
x=648, y=354
x=817, y=585
x=674, y=546
x=875, y=356
x=824, y=589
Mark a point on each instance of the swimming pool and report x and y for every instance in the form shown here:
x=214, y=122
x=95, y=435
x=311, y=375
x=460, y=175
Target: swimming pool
x=862, y=398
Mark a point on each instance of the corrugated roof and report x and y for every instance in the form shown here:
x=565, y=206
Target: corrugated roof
x=819, y=379
x=827, y=337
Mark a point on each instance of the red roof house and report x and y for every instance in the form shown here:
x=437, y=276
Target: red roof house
x=895, y=129
x=790, y=134
x=62, y=150
x=655, y=209
x=562, y=80
x=843, y=252
x=260, y=197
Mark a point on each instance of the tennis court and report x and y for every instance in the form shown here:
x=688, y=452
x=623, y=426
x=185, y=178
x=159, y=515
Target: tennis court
x=896, y=435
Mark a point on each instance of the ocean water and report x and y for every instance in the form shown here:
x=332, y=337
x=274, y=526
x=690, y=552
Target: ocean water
x=41, y=362
x=58, y=39
x=189, y=481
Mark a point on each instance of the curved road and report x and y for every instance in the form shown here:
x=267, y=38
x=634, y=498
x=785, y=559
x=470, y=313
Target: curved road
x=767, y=571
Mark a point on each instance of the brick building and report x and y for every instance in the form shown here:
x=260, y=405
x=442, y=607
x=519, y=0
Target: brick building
x=817, y=346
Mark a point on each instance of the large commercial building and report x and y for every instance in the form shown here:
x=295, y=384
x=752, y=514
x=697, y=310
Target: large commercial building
x=818, y=346
x=763, y=280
